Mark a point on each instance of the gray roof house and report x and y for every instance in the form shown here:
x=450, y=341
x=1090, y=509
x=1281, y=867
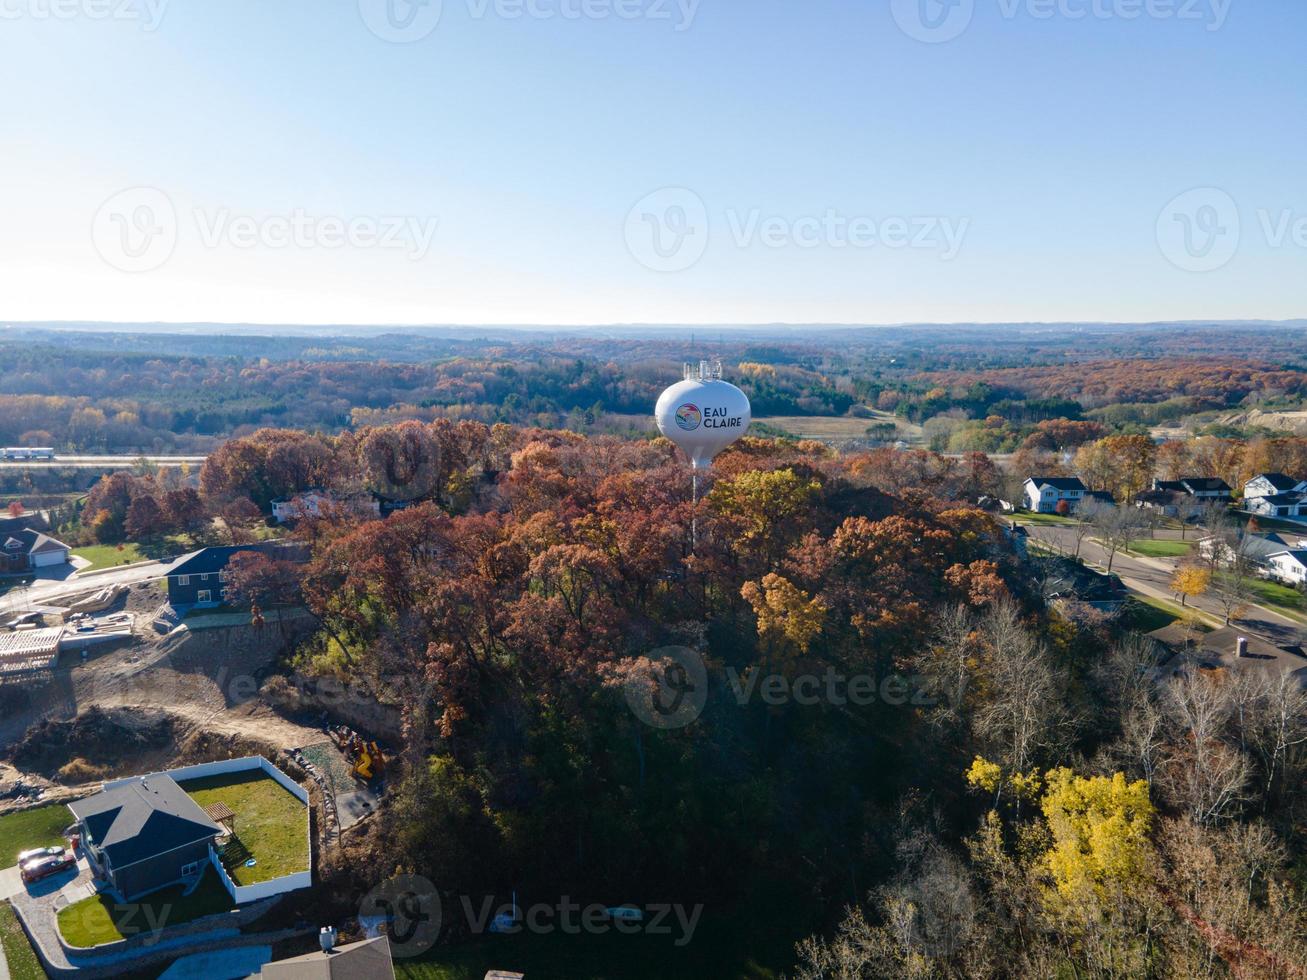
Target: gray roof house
x=1202, y=487
x=23, y=549
x=1228, y=649
x=143, y=835
x=366, y=960
x=200, y=578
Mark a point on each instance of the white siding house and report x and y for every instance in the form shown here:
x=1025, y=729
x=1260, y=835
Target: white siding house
x=1276, y=495
x=1290, y=567
x=1044, y=493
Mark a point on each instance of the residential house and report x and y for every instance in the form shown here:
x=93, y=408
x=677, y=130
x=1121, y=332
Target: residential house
x=1290, y=567
x=200, y=578
x=1101, y=497
x=25, y=550
x=1257, y=549
x=144, y=835
x=1165, y=502
x=1198, y=487
x=1044, y=493
x=313, y=503
x=367, y=960
x=1276, y=495
x=1224, y=650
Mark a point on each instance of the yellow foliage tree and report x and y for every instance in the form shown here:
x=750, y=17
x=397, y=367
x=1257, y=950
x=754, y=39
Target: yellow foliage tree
x=785, y=612
x=1100, y=830
x=1191, y=581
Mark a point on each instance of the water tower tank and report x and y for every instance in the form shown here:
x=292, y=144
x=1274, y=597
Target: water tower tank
x=703, y=414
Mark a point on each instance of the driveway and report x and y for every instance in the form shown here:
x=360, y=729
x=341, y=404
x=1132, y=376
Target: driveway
x=221, y=964
x=49, y=589
x=11, y=883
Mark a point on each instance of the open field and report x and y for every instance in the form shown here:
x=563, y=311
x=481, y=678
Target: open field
x=271, y=825
x=99, y=919
x=23, y=964
x=839, y=428
x=23, y=831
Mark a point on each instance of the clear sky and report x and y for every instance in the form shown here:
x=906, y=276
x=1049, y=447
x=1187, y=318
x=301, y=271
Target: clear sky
x=616, y=161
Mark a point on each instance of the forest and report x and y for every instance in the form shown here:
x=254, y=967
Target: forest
x=942, y=774
x=114, y=391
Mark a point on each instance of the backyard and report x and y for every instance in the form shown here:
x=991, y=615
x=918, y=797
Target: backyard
x=109, y=555
x=23, y=831
x=272, y=826
x=99, y=919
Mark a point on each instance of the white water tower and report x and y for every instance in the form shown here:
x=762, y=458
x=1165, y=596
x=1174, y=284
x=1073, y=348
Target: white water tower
x=703, y=414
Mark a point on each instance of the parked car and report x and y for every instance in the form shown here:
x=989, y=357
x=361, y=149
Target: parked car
x=40, y=852
x=45, y=867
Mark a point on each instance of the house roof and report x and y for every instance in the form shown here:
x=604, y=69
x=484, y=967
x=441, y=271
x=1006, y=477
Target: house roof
x=1218, y=650
x=1057, y=482
x=25, y=541
x=1297, y=554
x=1204, y=484
x=206, y=561
x=1279, y=481
x=1102, y=495
x=142, y=818
x=367, y=960
x=1282, y=498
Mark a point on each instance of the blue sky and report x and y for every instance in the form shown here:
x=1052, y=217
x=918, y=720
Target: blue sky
x=606, y=161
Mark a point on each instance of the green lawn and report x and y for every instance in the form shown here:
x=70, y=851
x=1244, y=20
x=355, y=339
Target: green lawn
x=40, y=827
x=1161, y=547
x=272, y=827
x=23, y=964
x=1032, y=517
x=99, y=919
x=1145, y=614
x=110, y=555
x=1283, y=597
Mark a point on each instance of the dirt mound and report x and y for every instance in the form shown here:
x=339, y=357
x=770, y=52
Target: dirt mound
x=94, y=743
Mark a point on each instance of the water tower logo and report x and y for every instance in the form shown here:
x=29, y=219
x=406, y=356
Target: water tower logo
x=688, y=417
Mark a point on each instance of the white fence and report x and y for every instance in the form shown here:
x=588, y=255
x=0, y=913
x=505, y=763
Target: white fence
x=264, y=889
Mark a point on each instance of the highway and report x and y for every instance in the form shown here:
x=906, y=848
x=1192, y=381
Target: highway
x=100, y=462
x=1152, y=577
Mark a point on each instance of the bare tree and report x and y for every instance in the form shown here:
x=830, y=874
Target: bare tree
x=1116, y=527
x=1270, y=709
x=1026, y=708
x=1205, y=774
x=1232, y=586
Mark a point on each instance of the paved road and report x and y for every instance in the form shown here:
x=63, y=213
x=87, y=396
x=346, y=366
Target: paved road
x=126, y=461
x=1152, y=577
x=48, y=591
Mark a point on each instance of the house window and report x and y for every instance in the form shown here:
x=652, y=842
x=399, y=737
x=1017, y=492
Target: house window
x=202, y=595
x=222, y=576
x=204, y=577
x=190, y=870
x=183, y=580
